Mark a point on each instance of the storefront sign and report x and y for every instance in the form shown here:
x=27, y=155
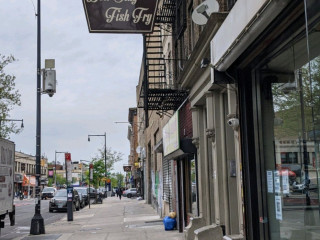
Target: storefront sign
x=50, y=173
x=171, y=135
x=285, y=182
x=120, y=16
x=29, y=181
x=278, y=209
x=91, y=171
x=127, y=168
x=277, y=188
x=67, y=157
x=270, y=181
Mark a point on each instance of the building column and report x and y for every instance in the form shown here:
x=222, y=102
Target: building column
x=198, y=134
x=213, y=187
x=233, y=112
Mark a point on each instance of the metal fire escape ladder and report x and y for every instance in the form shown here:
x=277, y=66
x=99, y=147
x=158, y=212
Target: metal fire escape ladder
x=158, y=94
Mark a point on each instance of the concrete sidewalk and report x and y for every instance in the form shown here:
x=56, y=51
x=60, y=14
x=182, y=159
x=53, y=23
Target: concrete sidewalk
x=113, y=220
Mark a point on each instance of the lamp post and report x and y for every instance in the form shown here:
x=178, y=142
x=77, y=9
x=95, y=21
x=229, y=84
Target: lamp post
x=55, y=166
x=10, y=120
x=105, y=154
x=37, y=223
x=82, y=169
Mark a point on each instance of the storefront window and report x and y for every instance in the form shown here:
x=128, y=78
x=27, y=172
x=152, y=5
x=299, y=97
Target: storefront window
x=290, y=116
x=193, y=188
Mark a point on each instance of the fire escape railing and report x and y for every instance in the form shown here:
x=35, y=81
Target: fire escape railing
x=158, y=92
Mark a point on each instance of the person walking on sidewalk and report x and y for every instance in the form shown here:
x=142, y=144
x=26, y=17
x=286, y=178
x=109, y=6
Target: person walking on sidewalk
x=120, y=193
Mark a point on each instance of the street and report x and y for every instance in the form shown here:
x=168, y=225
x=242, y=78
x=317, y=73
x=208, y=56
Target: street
x=24, y=213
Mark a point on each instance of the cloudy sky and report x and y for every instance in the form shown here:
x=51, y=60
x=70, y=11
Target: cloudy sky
x=97, y=75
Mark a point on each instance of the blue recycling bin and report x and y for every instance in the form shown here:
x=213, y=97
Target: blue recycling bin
x=169, y=223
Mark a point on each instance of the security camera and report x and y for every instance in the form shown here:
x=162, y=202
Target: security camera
x=233, y=122
x=50, y=93
x=204, y=63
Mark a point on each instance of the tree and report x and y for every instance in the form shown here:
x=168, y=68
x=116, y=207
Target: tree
x=117, y=179
x=60, y=181
x=287, y=105
x=99, y=168
x=9, y=97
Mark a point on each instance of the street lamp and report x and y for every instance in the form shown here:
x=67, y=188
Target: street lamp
x=105, y=154
x=37, y=222
x=55, y=166
x=11, y=120
x=82, y=169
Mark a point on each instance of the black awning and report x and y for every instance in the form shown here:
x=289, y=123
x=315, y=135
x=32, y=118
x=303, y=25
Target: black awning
x=186, y=148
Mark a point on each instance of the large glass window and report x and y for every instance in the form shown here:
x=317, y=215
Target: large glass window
x=290, y=117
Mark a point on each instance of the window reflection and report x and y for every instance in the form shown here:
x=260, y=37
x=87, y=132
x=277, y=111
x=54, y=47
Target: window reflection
x=193, y=188
x=291, y=91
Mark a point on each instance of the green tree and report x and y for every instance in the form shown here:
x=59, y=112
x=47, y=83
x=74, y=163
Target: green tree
x=60, y=180
x=9, y=97
x=287, y=105
x=117, y=179
x=99, y=168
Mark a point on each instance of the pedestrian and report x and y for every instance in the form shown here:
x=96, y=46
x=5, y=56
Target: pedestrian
x=120, y=193
x=117, y=192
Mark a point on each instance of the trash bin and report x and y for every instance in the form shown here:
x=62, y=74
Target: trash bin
x=169, y=223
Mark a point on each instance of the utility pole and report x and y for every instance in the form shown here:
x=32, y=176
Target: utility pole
x=37, y=223
x=105, y=154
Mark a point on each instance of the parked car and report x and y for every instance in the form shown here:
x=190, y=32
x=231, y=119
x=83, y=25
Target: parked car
x=102, y=191
x=132, y=192
x=84, y=192
x=48, y=192
x=92, y=192
x=59, y=201
x=301, y=187
x=115, y=189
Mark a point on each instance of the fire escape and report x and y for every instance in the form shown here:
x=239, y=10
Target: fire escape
x=159, y=92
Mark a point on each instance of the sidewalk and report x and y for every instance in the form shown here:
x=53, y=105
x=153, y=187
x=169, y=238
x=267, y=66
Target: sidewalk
x=113, y=220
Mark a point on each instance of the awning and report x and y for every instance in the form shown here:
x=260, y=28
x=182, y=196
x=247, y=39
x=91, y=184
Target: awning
x=29, y=181
x=186, y=147
x=247, y=19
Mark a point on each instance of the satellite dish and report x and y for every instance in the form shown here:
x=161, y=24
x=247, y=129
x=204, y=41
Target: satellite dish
x=138, y=150
x=202, y=13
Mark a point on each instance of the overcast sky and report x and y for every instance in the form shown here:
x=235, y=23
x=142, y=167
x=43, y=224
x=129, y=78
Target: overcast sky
x=97, y=76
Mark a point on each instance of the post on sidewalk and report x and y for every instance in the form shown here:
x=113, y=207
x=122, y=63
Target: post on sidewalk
x=70, y=203
x=90, y=179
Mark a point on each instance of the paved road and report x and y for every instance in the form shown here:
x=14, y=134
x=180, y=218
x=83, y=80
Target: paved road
x=24, y=213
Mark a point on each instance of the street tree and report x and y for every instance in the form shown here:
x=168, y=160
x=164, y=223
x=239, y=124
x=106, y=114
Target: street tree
x=117, y=179
x=9, y=97
x=60, y=180
x=99, y=167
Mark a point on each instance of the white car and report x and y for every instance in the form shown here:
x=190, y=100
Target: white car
x=131, y=192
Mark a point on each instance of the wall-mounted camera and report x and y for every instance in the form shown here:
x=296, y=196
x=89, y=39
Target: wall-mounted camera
x=233, y=122
x=49, y=77
x=49, y=82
